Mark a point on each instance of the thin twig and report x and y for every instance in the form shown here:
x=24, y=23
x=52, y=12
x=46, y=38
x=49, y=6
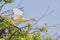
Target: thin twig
x=11, y=24
x=11, y=14
x=58, y=38
x=54, y=26
x=43, y=16
x=2, y=7
x=10, y=10
x=19, y=3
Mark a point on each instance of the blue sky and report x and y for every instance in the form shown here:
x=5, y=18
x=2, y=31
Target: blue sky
x=36, y=8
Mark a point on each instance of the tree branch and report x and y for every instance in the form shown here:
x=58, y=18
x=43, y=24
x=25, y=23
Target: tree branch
x=43, y=16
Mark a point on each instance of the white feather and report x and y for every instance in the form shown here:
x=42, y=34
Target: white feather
x=18, y=17
x=17, y=13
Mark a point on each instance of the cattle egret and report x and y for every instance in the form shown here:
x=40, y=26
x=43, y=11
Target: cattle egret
x=18, y=17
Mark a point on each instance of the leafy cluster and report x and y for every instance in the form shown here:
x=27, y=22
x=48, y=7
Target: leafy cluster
x=8, y=31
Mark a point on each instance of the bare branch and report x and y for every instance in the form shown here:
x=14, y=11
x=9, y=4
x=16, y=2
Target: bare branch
x=54, y=34
x=55, y=26
x=43, y=16
x=20, y=3
x=10, y=10
x=11, y=24
x=58, y=38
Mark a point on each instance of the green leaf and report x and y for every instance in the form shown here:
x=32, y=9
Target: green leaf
x=1, y=25
x=29, y=25
x=43, y=29
x=50, y=38
x=29, y=37
x=47, y=38
x=8, y=1
x=36, y=36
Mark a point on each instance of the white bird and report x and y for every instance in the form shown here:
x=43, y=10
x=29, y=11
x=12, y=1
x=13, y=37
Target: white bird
x=18, y=17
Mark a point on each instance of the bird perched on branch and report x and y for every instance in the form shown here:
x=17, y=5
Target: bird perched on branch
x=19, y=18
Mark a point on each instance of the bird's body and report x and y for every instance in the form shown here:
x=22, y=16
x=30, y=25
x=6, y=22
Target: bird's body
x=18, y=17
x=20, y=20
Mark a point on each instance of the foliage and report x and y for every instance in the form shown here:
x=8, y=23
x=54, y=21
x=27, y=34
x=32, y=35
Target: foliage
x=48, y=38
x=7, y=1
x=8, y=31
x=12, y=32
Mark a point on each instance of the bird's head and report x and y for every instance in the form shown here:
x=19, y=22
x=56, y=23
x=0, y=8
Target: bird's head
x=17, y=11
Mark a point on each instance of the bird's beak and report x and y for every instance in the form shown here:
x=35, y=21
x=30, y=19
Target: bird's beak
x=32, y=19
